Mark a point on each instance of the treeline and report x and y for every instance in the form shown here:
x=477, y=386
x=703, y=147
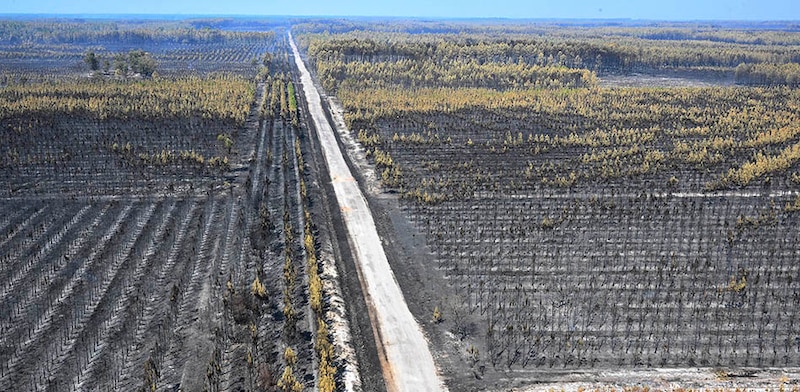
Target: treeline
x=748, y=36
x=364, y=46
x=55, y=31
x=595, y=49
x=222, y=98
x=454, y=73
x=357, y=63
x=762, y=33
x=769, y=74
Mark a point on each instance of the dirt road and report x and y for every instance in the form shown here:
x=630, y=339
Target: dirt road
x=407, y=362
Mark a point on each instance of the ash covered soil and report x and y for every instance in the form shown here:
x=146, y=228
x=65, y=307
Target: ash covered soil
x=473, y=356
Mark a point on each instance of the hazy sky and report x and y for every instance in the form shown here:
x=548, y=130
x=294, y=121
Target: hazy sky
x=639, y=9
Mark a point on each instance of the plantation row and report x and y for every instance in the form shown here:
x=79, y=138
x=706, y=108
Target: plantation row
x=157, y=234
x=92, y=290
x=587, y=281
x=124, y=136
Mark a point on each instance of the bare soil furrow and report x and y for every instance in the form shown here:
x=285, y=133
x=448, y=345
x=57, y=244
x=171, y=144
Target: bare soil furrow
x=223, y=272
x=188, y=295
x=21, y=227
x=72, y=325
x=83, y=341
x=158, y=292
x=256, y=176
x=293, y=190
x=21, y=272
x=229, y=241
x=45, y=282
x=44, y=321
x=12, y=213
x=36, y=237
x=119, y=313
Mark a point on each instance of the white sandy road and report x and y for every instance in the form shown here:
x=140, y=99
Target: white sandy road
x=407, y=362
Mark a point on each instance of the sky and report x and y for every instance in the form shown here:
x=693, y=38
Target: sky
x=561, y=9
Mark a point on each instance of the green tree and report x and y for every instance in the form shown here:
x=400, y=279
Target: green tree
x=91, y=60
x=121, y=67
x=136, y=61
x=140, y=62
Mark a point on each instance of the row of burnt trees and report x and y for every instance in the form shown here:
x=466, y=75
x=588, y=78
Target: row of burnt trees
x=540, y=285
x=279, y=103
x=767, y=74
x=220, y=98
x=736, y=136
x=422, y=80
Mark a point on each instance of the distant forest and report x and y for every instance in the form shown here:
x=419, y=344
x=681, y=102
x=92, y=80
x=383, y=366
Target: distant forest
x=690, y=48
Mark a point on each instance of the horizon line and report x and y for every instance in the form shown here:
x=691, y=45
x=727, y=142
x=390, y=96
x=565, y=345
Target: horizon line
x=91, y=15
